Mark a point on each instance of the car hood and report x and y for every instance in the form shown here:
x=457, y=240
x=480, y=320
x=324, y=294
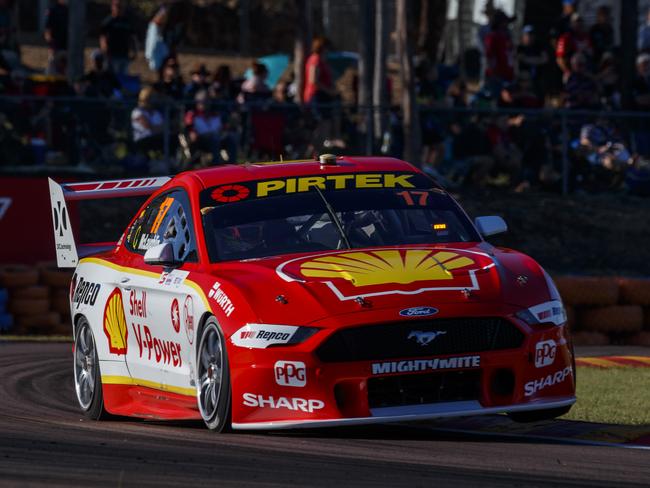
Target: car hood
x=302, y=289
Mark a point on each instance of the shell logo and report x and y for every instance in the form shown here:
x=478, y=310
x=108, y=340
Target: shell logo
x=386, y=266
x=115, y=323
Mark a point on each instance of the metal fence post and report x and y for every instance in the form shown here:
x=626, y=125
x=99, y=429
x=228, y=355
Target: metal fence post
x=565, y=155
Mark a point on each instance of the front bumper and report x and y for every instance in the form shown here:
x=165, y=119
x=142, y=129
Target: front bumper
x=289, y=387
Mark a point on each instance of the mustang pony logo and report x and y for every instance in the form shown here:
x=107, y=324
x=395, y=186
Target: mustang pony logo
x=424, y=338
x=115, y=323
x=354, y=274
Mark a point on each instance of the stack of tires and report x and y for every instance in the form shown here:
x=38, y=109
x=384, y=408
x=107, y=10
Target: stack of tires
x=34, y=298
x=6, y=320
x=607, y=310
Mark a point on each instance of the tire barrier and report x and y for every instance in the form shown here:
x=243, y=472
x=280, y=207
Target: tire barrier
x=38, y=324
x=646, y=318
x=61, y=301
x=36, y=292
x=571, y=317
x=583, y=290
x=586, y=338
x=56, y=278
x=635, y=291
x=27, y=307
x=18, y=277
x=640, y=339
x=614, y=319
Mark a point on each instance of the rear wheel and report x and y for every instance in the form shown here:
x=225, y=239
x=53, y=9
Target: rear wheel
x=213, y=385
x=87, y=378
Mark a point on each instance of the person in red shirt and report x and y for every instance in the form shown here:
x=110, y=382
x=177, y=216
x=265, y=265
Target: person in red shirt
x=572, y=42
x=499, y=53
x=319, y=84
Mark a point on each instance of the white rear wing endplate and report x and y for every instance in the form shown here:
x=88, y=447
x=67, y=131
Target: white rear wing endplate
x=64, y=241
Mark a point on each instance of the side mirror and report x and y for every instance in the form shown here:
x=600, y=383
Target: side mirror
x=161, y=255
x=488, y=226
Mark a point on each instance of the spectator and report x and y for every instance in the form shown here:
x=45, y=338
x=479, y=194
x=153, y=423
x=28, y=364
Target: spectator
x=575, y=41
x=641, y=92
x=581, y=90
x=569, y=8
x=147, y=123
x=59, y=65
x=319, y=83
x=199, y=81
x=156, y=50
x=255, y=88
x=117, y=39
x=531, y=57
x=100, y=81
x=206, y=131
x=644, y=35
x=457, y=94
x=221, y=87
x=601, y=33
x=608, y=79
x=498, y=53
x=170, y=83
x=520, y=94
x=56, y=31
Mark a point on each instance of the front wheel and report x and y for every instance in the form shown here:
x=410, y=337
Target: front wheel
x=87, y=378
x=213, y=385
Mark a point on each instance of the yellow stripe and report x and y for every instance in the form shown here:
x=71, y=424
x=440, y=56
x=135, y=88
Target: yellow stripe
x=148, y=274
x=127, y=380
x=603, y=363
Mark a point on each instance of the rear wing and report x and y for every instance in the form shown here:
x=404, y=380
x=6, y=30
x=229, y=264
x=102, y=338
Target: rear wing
x=64, y=241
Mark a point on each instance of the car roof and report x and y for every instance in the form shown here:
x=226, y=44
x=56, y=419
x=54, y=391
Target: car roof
x=231, y=173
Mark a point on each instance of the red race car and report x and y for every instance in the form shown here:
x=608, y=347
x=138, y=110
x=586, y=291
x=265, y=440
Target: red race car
x=341, y=291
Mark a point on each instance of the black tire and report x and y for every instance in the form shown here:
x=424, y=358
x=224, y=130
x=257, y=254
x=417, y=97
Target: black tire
x=86, y=361
x=213, y=392
x=539, y=415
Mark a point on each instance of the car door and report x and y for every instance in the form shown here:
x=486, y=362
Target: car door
x=156, y=299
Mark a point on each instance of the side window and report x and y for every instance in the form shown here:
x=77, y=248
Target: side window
x=166, y=219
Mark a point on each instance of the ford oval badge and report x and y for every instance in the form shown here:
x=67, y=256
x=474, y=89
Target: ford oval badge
x=418, y=312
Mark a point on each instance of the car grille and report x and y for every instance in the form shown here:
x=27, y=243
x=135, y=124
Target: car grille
x=400, y=340
x=421, y=389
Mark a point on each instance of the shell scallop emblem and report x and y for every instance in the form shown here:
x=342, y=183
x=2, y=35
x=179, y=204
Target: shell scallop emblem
x=386, y=266
x=115, y=323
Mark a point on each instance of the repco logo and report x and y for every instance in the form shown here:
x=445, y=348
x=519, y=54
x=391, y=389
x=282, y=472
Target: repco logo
x=545, y=353
x=86, y=293
x=290, y=373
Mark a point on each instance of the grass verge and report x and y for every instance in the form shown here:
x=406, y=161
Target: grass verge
x=616, y=396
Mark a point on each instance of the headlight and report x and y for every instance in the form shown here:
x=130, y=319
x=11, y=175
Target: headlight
x=547, y=313
x=261, y=336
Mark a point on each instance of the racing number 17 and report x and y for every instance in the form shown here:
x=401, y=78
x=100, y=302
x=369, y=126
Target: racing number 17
x=408, y=196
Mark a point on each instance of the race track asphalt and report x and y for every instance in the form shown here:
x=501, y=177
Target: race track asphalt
x=44, y=440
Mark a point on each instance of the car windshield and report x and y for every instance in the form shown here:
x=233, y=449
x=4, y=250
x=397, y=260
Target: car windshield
x=239, y=226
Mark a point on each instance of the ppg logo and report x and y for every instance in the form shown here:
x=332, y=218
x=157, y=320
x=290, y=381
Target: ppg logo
x=290, y=373
x=545, y=353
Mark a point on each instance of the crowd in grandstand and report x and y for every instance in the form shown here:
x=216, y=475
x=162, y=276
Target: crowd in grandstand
x=219, y=116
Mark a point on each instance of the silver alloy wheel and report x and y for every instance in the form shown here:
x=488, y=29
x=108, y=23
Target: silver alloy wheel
x=210, y=372
x=84, y=365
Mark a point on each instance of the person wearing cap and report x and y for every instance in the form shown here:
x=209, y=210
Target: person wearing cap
x=147, y=123
x=100, y=81
x=156, y=49
x=575, y=41
x=206, y=130
x=199, y=81
x=531, y=56
x=580, y=88
x=569, y=7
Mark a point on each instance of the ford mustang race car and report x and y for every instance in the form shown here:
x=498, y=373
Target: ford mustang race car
x=336, y=291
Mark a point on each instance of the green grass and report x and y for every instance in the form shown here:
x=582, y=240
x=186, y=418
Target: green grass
x=616, y=396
